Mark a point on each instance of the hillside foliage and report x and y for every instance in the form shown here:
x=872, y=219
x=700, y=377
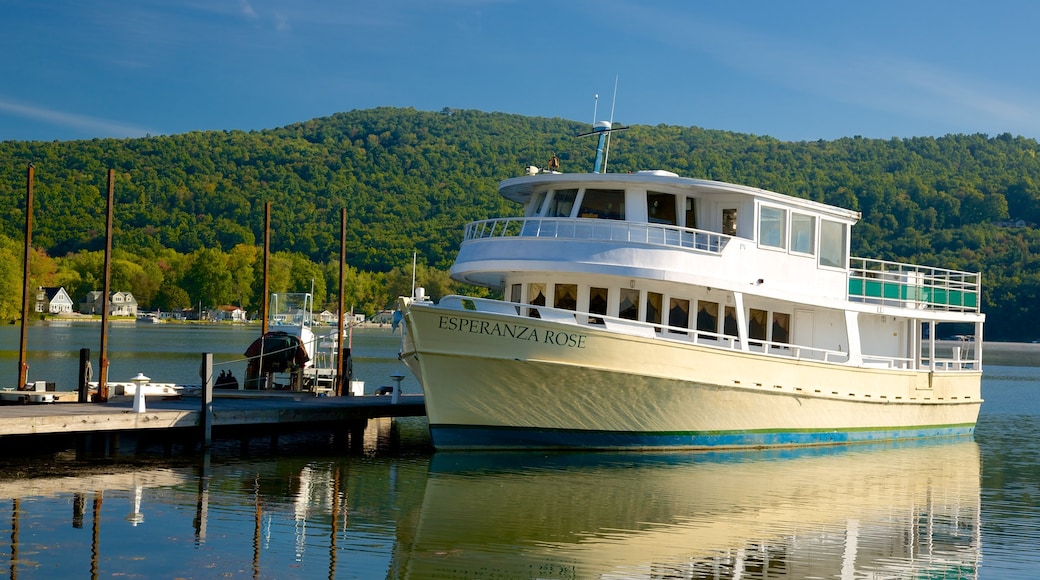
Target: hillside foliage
x=189, y=208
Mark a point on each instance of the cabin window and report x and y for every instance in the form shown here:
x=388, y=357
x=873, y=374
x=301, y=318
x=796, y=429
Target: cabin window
x=660, y=208
x=729, y=324
x=607, y=204
x=691, y=212
x=597, y=304
x=514, y=293
x=654, y=302
x=803, y=233
x=562, y=203
x=678, y=314
x=536, y=296
x=536, y=203
x=566, y=296
x=832, y=244
x=629, y=307
x=772, y=222
x=757, y=324
x=707, y=316
x=729, y=221
x=781, y=327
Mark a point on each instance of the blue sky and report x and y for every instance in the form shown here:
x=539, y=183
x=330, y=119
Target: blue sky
x=795, y=70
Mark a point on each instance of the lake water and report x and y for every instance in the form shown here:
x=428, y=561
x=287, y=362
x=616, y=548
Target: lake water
x=960, y=508
x=172, y=353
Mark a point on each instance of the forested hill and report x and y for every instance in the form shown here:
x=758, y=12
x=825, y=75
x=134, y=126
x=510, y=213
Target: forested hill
x=410, y=180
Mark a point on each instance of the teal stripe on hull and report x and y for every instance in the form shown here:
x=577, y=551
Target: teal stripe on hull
x=446, y=437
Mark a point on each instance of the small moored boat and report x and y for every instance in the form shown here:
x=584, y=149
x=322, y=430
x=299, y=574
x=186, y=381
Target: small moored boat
x=649, y=310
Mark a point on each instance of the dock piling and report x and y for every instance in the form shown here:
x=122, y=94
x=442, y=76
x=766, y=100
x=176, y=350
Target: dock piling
x=84, y=375
x=206, y=374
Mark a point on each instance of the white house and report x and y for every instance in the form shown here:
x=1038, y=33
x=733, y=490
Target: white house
x=51, y=300
x=232, y=313
x=119, y=304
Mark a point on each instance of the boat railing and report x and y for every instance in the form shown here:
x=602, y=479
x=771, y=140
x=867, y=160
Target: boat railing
x=665, y=332
x=909, y=286
x=598, y=230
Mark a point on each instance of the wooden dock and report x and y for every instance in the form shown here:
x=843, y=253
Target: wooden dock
x=190, y=421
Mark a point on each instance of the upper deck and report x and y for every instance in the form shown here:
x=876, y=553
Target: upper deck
x=705, y=229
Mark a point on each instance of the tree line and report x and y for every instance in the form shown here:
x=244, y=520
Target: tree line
x=189, y=207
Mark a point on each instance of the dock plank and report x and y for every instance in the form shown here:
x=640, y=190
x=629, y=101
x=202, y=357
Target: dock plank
x=118, y=415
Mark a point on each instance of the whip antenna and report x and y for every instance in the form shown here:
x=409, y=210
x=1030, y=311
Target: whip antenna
x=606, y=150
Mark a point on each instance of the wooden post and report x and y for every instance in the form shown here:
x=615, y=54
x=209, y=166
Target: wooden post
x=84, y=364
x=342, y=379
x=23, y=367
x=102, y=395
x=206, y=373
x=267, y=268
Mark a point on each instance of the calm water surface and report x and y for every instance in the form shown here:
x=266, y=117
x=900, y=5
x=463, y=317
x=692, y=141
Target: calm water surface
x=963, y=508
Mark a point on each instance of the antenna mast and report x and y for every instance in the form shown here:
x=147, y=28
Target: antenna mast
x=606, y=150
x=603, y=129
x=414, y=254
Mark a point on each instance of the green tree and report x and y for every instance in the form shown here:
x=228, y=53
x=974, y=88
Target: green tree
x=208, y=280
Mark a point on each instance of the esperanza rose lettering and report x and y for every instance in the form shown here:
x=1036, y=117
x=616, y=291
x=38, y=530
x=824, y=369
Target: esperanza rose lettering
x=514, y=331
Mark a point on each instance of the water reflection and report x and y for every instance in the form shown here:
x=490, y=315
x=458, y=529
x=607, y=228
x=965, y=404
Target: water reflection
x=879, y=511
x=278, y=518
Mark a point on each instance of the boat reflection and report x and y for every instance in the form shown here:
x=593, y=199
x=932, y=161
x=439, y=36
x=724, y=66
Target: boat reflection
x=853, y=511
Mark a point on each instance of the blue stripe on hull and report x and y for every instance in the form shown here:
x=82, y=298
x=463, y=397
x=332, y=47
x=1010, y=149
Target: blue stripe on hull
x=472, y=437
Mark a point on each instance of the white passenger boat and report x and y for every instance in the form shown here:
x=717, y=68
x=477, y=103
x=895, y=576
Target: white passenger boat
x=648, y=310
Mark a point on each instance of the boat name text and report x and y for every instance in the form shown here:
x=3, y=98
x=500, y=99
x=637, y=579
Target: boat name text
x=516, y=331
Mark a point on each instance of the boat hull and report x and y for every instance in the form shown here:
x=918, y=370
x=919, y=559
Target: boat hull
x=495, y=381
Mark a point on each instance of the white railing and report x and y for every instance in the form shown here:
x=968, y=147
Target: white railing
x=598, y=229
x=665, y=332
x=910, y=286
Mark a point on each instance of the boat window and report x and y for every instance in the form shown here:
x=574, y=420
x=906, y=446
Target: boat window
x=678, y=314
x=660, y=208
x=607, y=204
x=653, y=308
x=781, y=327
x=562, y=203
x=566, y=296
x=803, y=233
x=691, y=213
x=597, y=304
x=729, y=325
x=832, y=244
x=536, y=203
x=707, y=316
x=629, y=307
x=729, y=221
x=771, y=224
x=757, y=324
x=536, y=296
x=514, y=293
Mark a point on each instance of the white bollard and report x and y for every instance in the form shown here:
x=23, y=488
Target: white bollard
x=396, y=377
x=140, y=381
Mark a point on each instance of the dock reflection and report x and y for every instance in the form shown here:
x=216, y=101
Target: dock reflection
x=907, y=510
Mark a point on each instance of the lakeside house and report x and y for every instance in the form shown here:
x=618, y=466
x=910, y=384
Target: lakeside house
x=119, y=304
x=50, y=300
x=229, y=313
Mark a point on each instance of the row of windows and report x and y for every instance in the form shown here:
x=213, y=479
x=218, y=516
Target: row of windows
x=710, y=317
x=777, y=227
x=661, y=208
x=798, y=234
